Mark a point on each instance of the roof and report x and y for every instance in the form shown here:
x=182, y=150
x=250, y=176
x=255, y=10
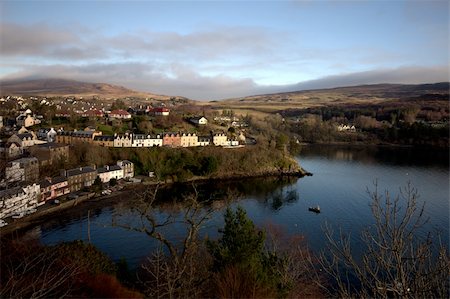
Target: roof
x=25, y=160
x=111, y=168
x=58, y=179
x=120, y=112
x=10, y=192
x=204, y=138
x=77, y=133
x=45, y=184
x=9, y=144
x=25, y=135
x=160, y=109
x=101, y=170
x=115, y=167
x=104, y=138
x=49, y=145
x=80, y=170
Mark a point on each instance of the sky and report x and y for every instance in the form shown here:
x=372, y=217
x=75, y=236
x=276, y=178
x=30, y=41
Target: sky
x=209, y=50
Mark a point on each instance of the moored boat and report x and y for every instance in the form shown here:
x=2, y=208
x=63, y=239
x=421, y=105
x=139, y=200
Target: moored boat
x=315, y=209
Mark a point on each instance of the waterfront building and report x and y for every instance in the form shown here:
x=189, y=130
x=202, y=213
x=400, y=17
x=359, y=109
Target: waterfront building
x=127, y=167
x=107, y=173
x=52, y=188
x=80, y=177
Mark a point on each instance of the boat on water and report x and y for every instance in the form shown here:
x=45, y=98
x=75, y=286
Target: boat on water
x=30, y=211
x=315, y=209
x=18, y=215
x=3, y=223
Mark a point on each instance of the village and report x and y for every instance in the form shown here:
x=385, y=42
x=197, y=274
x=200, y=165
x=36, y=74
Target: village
x=30, y=146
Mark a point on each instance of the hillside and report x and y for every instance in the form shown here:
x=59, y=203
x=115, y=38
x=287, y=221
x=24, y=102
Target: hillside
x=376, y=94
x=61, y=87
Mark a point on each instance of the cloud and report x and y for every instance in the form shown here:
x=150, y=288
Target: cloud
x=41, y=40
x=77, y=43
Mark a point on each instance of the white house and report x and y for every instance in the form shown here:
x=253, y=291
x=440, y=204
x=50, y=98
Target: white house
x=18, y=199
x=189, y=139
x=143, y=140
x=120, y=114
x=47, y=134
x=123, y=140
x=107, y=173
x=220, y=139
x=127, y=167
x=199, y=121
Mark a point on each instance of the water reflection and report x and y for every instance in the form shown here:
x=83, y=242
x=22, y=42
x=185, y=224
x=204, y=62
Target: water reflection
x=398, y=156
x=341, y=175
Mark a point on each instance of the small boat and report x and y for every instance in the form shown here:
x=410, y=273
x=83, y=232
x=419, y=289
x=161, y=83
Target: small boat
x=3, y=223
x=315, y=209
x=30, y=211
x=19, y=215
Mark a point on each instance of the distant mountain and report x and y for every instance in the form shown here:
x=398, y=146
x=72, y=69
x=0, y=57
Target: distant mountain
x=382, y=90
x=61, y=87
x=351, y=95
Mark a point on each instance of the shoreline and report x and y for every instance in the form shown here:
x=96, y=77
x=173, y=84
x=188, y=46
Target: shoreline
x=91, y=200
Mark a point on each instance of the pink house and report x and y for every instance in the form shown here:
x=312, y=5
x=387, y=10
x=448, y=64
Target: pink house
x=172, y=139
x=52, y=188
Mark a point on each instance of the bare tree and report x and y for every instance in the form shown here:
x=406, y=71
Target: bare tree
x=174, y=270
x=29, y=271
x=396, y=261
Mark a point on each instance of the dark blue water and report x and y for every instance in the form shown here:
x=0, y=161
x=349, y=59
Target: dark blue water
x=341, y=178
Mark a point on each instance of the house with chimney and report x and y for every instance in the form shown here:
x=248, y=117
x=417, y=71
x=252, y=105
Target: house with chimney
x=125, y=140
x=104, y=140
x=172, y=139
x=219, y=139
x=189, y=139
x=52, y=188
x=80, y=177
x=127, y=167
x=204, y=140
x=106, y=173
x=146, y=140
x=71, y=137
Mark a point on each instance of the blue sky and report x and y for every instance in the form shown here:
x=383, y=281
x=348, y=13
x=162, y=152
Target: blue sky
x=220, y=49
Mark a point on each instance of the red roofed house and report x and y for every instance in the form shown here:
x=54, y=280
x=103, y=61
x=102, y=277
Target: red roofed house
x=120, y=113
x=93, y=113
x=160, y=111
